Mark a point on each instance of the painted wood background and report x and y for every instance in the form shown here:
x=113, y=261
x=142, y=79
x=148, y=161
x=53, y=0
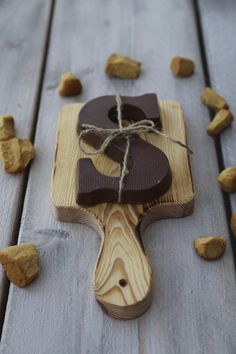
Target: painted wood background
x=220, y=56
x=194, y=302
x=23, y=36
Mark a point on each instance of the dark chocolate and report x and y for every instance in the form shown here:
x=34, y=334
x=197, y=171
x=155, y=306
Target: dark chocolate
x=149, y=174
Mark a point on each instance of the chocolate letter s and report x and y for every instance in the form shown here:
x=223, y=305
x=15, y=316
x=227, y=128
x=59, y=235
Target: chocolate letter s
x=149, y=174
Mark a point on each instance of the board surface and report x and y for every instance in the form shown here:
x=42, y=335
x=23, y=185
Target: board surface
x=116, y=223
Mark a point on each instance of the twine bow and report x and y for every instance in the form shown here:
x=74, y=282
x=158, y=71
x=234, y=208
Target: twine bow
x=142, y=126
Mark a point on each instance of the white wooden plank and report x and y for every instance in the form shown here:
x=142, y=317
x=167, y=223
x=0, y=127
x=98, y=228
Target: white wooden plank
x=23, y=31
x=193, y=308
x=219, y=32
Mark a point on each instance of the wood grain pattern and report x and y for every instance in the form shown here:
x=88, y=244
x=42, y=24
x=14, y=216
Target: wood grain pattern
x=194, y=302
x=22, y=42
x=221, y=64
x=122, y=277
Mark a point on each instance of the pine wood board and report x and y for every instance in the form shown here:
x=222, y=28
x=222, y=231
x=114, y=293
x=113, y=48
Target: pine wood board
x=67, y=154
x=117, y=224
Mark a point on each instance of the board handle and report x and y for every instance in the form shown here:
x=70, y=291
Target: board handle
x=122, y=275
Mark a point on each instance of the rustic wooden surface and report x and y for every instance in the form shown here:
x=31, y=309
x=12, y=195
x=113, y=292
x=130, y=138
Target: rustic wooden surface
x=122, y=256
x=22, y=47
x=194, y=303
x=220, y=55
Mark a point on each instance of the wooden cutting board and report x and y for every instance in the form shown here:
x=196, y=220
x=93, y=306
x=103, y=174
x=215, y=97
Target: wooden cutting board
x=122, y=279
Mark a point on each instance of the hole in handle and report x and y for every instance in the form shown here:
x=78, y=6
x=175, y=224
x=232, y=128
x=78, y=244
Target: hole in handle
x=123, y=282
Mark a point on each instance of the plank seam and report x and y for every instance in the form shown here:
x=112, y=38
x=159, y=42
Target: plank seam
x=16, y=228
x=217, y=140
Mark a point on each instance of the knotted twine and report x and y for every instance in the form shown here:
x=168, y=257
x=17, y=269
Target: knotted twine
x=142, y=126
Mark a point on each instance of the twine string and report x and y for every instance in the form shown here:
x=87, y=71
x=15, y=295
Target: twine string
x=124, y=169
x=142, y=126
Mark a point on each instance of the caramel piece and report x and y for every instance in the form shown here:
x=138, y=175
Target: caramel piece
x=213, y=100
x=222, y=120
x=182, y=67
x=123, y=67
x=7, y=130
x=70, y=85
x=227, y=179
x=16, y=154
x=20, y=263
x=210, y=247
x=233, y=224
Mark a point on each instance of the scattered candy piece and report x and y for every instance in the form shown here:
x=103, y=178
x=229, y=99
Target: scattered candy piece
x=20, y=263
x=233, y=224
x=222, y=120
x=227, y=179
x=122, y=67
x=70, y=85
x=213, y=99
x=182, y=67
x=210, y=247
x=7, y=130
x=16, y=154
